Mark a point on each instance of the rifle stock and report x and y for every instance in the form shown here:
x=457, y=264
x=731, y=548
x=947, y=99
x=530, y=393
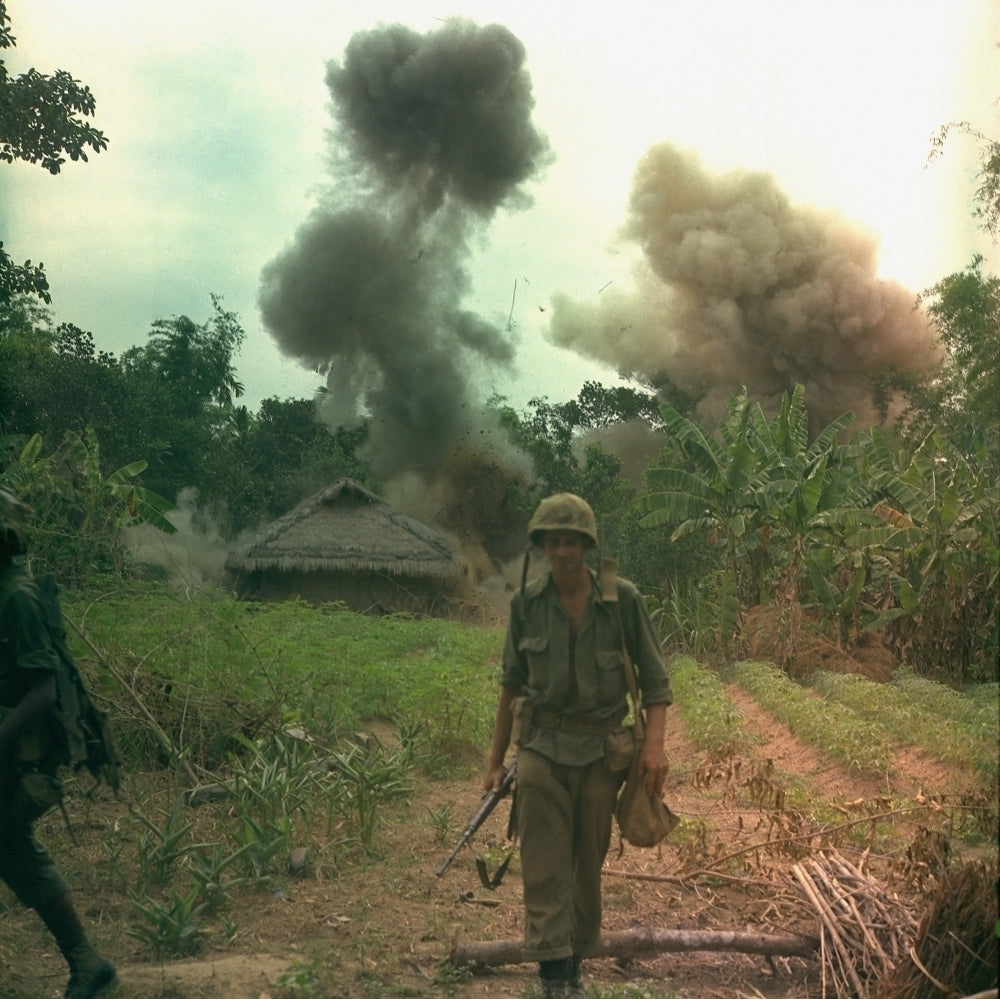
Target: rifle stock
x=486, y=806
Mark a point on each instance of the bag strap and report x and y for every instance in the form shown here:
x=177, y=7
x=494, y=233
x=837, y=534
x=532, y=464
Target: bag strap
x=609, y=591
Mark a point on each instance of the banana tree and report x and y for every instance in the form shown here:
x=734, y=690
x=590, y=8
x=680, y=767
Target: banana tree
x=947, y=562
x=79, y=513
x=712, y=495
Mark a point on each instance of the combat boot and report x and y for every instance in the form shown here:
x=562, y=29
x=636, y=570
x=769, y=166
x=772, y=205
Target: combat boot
x=554, y=974
x=90, y=974
x=574, y=985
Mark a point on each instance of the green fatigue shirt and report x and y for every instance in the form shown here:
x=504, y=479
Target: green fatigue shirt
x=25, y=646
x=536, y=662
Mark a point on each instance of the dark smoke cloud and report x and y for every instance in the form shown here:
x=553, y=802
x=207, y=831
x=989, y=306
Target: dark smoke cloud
x=432, y=135
x=738, y=287
x=446, y=114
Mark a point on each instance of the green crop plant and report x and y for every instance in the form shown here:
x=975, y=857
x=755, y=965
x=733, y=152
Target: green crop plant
x=965, y=740
x=440, y=820
x=710, y=715
x=211, y=873
x=160, y=848
x=274, y=782
x=860, y=744
x=169, y=929
x=258, y=847
x=366, y=779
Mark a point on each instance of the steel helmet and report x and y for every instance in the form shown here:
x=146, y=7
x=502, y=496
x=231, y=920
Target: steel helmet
x=14, y=516
x=563, y=512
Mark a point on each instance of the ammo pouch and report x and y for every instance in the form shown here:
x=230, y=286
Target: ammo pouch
x=34, y=795
x=522, y=713
x=619, y=749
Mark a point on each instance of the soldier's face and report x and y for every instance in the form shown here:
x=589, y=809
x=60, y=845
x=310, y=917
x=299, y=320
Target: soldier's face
x=565, y=551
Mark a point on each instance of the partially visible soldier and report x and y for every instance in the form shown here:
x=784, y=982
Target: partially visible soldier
x=28, y=665
x=563, y=704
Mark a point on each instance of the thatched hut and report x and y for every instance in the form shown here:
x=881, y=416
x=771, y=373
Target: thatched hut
x=346, y=544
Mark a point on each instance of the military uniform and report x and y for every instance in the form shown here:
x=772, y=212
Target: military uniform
x=29, y=665
x=25, y=646
x=574, y=747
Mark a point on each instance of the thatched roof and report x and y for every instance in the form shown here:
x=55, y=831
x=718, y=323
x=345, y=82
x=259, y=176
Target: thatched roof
x=345, y=528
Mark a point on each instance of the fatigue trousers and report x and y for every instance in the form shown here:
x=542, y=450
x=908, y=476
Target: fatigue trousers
x=564, y=825
x=27, y=867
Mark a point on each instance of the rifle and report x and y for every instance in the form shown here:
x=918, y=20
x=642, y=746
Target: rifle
x=486, y=806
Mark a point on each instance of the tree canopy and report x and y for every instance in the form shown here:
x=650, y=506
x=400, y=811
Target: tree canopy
x=43, y=119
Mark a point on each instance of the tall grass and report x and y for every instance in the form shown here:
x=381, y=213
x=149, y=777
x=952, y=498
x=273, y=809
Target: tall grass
x=209, y=671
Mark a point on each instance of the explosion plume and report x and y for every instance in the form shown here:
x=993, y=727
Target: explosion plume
x=433, y=134
x=737, y=287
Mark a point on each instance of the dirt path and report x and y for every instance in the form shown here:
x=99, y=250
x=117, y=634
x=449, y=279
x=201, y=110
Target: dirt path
x=386, y=929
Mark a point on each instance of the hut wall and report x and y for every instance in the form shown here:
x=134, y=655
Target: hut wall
x=369, y=593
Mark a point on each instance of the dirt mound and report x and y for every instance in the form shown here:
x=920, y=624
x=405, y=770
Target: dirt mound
x=784, y=635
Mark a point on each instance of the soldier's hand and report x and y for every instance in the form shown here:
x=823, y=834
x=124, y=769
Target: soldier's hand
x=654, y=765
x=494, y=778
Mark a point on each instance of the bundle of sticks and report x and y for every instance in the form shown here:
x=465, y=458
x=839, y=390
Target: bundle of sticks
x=864, y=930
x=956, y=951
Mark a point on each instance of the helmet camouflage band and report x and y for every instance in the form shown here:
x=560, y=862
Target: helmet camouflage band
x=563, y=512
x=14, y=517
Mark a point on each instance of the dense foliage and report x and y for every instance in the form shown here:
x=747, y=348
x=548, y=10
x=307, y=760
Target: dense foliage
x=889, y=530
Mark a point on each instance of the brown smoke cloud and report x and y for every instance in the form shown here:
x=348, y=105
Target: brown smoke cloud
x=737, y=287
x=432, y=135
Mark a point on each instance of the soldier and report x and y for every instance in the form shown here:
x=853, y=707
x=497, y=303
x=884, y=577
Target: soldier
x=28, y=666
x=563, y=704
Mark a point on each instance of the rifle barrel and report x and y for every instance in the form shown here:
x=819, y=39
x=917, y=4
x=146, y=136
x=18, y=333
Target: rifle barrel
x=486, y=806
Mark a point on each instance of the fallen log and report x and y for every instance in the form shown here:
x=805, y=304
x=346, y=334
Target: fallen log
x=642, y=940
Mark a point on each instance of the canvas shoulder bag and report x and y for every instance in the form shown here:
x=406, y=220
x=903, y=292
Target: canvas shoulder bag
x=644, y=820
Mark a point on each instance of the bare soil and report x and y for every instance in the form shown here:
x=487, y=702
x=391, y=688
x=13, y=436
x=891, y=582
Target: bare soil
x=386, y=929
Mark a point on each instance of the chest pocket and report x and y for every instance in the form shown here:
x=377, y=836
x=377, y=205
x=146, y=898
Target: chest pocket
x=534, y=645
x=535, y=650
x=610, y=673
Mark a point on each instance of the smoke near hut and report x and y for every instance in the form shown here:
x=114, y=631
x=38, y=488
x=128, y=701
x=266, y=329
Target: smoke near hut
x=738, y=287
x=432, y=134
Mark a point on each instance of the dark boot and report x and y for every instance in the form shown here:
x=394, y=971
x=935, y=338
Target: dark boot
x=554, y=974
x=575, y=984
x=90, y=974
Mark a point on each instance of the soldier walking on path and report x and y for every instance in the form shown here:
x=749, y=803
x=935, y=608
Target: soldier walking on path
x=564, y=705
x=28, y=667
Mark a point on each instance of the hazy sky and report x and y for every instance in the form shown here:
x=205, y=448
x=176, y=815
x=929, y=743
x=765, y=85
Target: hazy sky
x=218, y=115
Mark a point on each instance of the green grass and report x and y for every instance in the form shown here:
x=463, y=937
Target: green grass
x=208, y=668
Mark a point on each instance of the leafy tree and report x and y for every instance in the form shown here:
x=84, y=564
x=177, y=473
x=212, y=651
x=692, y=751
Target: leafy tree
x=43, y=119
x=555, y=438
x=961, y=398
x=761, y=493
x=187, y=376
x=709, y=492
x=987, y=208
x=966, y=309
x=550, y=433
x=194, y=362
x=271, y=460
x=56, y=380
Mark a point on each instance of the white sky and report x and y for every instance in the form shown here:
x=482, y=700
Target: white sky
x=216, y=112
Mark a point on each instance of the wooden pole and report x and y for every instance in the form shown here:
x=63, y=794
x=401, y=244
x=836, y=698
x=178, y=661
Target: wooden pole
x=642, y=940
